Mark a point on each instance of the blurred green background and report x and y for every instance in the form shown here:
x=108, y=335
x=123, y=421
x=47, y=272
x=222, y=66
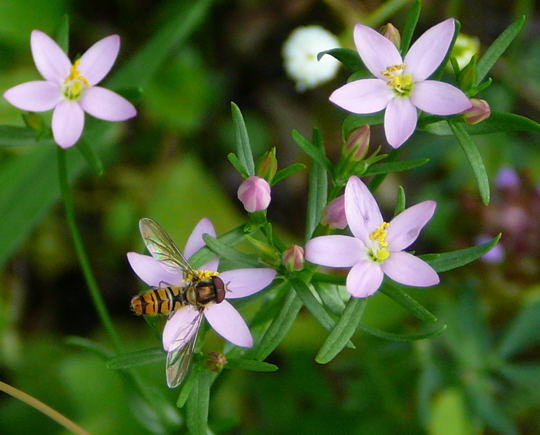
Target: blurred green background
x=482, y=375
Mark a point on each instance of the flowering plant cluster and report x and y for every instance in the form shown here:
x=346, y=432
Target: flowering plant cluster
x=348, y=243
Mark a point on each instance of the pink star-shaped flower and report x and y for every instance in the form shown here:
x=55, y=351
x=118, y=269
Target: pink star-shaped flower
x=377, y=248
x=222, y=316
x=401, y=85
x=70, y=89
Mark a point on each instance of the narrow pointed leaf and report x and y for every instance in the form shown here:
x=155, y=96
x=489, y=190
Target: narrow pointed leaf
x=525, y=375
x=62, y=33
x=88, y=345
x=312, y=150
x=400, y=201
x=343, y=331
x=499, y=46
x=396, y=292
x=474, y=157
x=388, y=167
x=251, y=365
x=11, y=136
x=287, y=172
x=186, y=387
x=446, y=261
x=346, y=56
x=223, y=250
x=430, y=331
x=330, y=297
x=378, y=179
x=237, y=165
x=230, y=238
x=137, y=358
x=522, y=332
x=243, y=147
x=410, y=25
x=198, y=403
x=90, y=155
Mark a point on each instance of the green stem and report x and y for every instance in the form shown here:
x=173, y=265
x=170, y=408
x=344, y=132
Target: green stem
x=331, y=279
x=91, y=282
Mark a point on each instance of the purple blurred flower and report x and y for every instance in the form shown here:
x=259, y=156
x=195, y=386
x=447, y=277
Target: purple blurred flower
x=222, y=316
x=70, y=89
x=400, y=85
x=495, y=255
x=334, y=213
x=507, y=178
x=377, y=247
x=254, y=193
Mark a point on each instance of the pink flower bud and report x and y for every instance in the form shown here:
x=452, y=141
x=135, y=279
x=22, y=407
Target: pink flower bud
x=293, y=258
x=357, y=144
x=334, y=213
x=254, y=193
x=390, y=32
x=479, y=111
x=267, y=165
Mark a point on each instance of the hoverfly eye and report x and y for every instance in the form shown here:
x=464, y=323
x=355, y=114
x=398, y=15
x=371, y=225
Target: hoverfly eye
x=220, y=289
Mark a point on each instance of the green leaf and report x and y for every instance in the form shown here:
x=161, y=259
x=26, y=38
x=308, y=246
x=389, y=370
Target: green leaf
x=474, y=157
x=387, y=167
x=523, y=375
x=11, y=136
x=62, y=33
x=131, y=93
x=400, y=201
x=330, y=297
x=251, y=365
x=378, y=179
x=342, y=332
x=90, y=155
x=430, y=331
x=346, y=56
x=499, y=46
x=410, y=25
x=237, y=165
x=186, y=387
x=89, y=345
x=136, y=358
x=522, y=332
x=230, y=238
x=317, y=193
x=352, y=122
x=198, y=403
x=312, y=150
x=497, y=122
x=396, y=292
x=314, y=307
x=446, y=261
x=243, y=147
x=278, y=328
x=222, y=250
x=287, y=172
x=449, y=414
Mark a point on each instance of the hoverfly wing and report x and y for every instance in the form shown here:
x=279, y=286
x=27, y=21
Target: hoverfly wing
x=161, y=246
x=179, y=356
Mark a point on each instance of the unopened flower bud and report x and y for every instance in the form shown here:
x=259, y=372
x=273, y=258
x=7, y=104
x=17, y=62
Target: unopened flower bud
x=293, y=258
x=334, y=213
x=254, y=193
x=390, y=32
x=479, y=111
x=357, y=144
x=267, y=165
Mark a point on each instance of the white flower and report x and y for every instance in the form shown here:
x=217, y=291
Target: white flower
x=300, y=55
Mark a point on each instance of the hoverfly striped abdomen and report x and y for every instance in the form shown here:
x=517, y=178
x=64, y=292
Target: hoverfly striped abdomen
x=158, y=301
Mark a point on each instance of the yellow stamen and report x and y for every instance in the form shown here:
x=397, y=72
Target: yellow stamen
x=401, y=84
x=200, y=275
x=74, y=82
x=379, y=253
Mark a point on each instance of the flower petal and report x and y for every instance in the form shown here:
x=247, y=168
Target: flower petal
x=363, y=96
x=407, y=269
x=67, y=123
x=195, y=240
x=377, y=52
x=51, y=62
x=427, y=53
x=108, y=105
x=439, y=98
x=36, y=96
x=98, y=60
x=364, y=279
x=399, y=121
x=228, y=323
x=363, y=214
x=335, y=251
x=244, y=282
x=151, y=271
x=405, y=227
x=180, y=328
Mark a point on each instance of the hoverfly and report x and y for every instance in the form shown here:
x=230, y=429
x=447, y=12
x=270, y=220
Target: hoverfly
x=198, y=290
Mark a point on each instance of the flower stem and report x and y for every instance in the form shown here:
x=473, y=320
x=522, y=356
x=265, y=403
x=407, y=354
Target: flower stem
x=41, y=407
x=91, y=282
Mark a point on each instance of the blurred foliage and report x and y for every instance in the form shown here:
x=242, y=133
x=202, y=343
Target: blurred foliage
x=480, y=375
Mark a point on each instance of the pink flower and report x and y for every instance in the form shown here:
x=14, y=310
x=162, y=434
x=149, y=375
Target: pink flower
x=334, y=213
x=377, y=247
x=222, y=316
x=70, y=89
x=400, y=85
x=254, y=193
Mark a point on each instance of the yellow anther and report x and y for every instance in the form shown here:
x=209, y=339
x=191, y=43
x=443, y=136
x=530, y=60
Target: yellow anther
x=400, y=83
x=382, y=254
x=200, y=275
x=74, y=82
x=75, y=74
x=379, y=235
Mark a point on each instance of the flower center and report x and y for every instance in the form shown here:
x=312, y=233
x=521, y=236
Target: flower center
x=74, y=83
x=378, y=251
x=401, y=84
x=201, y=275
